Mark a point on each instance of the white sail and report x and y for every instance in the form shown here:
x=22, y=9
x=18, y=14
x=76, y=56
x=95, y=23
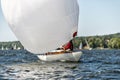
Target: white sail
x=80, y=46
x=42, y=25
x=2, y=48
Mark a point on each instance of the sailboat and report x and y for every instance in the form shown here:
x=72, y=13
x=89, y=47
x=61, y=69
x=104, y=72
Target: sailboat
x=43, y=25
x=88, y=46
x=2, y=48
x=80, y=46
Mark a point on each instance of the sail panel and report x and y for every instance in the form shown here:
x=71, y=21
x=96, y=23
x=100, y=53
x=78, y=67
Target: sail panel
x=42, y=25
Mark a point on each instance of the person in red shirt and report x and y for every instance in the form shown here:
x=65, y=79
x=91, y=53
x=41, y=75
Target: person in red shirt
x=69, y=45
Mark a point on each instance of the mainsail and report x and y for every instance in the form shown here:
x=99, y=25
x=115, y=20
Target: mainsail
x=42, y=25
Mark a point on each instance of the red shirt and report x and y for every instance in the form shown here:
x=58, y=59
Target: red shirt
x=67, y=46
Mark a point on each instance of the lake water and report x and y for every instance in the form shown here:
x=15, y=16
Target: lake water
x=93, y=65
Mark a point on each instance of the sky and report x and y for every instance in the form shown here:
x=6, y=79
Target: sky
x=97, y=17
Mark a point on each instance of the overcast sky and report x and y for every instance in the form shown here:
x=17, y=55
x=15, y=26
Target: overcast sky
x=97, y=17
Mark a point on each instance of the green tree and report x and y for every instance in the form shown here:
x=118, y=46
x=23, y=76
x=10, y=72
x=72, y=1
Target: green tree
x=114, y=43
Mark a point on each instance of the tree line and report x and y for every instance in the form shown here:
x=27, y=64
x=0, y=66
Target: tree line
x=11, y=45
x=96, y=42
x=106, y=41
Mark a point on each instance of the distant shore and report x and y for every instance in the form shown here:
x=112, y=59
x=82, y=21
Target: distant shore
x=111, y=41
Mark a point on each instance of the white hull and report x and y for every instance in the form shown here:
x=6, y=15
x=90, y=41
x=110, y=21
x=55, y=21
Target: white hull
x=74, y=56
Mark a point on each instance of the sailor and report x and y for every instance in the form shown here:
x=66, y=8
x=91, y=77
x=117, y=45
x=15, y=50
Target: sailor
x=69, y=46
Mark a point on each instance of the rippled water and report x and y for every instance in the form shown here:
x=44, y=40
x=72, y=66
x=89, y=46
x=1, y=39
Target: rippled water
x=93, y=65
